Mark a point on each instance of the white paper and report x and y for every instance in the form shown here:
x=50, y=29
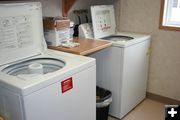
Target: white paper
x=15, y=32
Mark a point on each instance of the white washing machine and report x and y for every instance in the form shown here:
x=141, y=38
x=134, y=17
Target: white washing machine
x=37, y=83
x=122, y=68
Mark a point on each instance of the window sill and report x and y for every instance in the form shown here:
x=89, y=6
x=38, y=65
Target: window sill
x=169, y=28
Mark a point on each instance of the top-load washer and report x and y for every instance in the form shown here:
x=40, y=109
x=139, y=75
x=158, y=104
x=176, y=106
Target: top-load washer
x=122, y=68
x=37, y=83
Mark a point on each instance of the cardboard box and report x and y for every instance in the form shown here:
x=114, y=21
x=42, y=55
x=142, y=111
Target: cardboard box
x=56, y=30
x=55, y=23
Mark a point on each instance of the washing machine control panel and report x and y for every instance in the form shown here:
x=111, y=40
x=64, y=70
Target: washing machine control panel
x=103, y=20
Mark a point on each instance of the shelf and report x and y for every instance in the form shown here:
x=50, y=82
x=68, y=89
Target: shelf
x=66, y=6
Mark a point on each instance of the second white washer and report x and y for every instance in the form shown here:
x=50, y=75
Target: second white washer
x=122, y=68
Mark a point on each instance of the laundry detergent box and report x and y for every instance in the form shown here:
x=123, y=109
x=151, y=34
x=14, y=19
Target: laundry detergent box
x=56, y=37
x=56, y=30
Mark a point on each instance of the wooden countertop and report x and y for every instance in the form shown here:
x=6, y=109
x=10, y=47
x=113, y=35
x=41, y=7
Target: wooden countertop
x=87, y=46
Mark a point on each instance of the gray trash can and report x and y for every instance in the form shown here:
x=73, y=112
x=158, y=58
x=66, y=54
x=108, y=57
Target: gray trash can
x=103, y=100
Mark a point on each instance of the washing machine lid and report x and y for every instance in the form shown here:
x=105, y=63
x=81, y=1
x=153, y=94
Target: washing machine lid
x=21, y=31
x=103, y=20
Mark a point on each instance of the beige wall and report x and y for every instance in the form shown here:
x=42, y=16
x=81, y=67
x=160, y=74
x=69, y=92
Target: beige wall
x=51, y=7
x=142, y=16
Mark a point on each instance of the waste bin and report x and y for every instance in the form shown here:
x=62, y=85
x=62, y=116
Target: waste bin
x=103, y=100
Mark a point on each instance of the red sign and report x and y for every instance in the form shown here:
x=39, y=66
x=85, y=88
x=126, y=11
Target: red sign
x=66, y=85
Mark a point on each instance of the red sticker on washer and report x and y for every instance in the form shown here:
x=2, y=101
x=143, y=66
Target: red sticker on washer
x=66, y=85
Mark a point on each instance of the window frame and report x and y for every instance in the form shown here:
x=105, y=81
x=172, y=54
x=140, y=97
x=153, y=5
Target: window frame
x=161, y=26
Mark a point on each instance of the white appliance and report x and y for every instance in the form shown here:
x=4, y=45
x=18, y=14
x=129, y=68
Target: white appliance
x=122, y=68
x=37, y=83
x=86, y=30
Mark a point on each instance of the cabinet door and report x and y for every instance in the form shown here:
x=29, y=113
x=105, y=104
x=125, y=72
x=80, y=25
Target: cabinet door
x=66, y=5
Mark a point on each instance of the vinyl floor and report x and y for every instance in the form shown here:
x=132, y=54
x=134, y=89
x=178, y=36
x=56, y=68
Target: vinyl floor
x=147, y=110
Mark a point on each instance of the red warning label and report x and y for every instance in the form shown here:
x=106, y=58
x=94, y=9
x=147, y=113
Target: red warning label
x=66, y=85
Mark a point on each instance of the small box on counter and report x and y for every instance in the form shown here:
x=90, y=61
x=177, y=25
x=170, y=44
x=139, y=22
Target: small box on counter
x=56, y=37
x=56, y=30
x=56, y=23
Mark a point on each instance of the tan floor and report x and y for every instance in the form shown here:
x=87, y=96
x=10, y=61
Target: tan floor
x=147, y=110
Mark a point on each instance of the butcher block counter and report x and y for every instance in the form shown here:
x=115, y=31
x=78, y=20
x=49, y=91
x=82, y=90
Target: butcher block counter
x=86, y=47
